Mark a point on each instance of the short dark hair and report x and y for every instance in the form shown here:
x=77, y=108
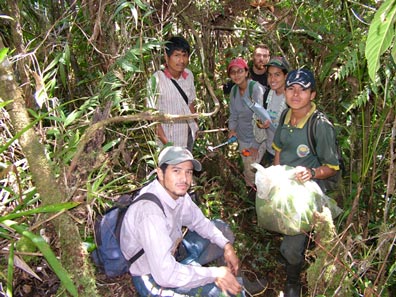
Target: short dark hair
x=163, y=167
x=176, y=43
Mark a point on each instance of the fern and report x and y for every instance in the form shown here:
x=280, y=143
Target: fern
x=351, y=62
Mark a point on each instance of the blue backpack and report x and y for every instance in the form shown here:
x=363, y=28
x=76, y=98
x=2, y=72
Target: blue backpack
x=108, y=256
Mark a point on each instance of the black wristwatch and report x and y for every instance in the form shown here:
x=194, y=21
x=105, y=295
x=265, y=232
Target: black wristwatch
x=313, y=172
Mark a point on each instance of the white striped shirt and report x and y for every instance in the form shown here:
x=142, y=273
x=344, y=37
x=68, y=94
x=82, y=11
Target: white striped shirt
x=166, y=98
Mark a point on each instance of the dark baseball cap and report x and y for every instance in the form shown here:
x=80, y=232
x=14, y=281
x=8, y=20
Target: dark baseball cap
x=175, y=154
x=279, y=62
x=302, y=77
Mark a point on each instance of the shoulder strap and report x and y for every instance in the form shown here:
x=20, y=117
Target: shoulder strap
x=265, y=97
x=180, y=90
x=234, y=90
x=182, y=93
x=283, y=116
x=151, y=197
x=146, y=196
x=251, y=85
x=311, y=130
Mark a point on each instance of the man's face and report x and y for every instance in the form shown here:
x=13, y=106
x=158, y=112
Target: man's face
x=177, y=61
x=298, y=98
x=261, y=57
x=177, y=178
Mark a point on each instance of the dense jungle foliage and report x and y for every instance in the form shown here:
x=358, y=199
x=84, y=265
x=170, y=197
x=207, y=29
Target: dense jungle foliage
x=75, y=133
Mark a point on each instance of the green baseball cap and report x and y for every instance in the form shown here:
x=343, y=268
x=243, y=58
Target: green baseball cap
x=279, y=62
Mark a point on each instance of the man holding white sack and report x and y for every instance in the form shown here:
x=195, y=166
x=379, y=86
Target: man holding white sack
x=292, y=148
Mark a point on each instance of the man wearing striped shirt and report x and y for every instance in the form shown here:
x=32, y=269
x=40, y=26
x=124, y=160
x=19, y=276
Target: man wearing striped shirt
x=164, y=95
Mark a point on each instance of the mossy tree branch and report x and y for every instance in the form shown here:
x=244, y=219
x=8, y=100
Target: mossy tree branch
x=50, y=190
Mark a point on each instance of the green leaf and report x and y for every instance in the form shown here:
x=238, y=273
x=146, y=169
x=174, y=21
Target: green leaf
x=71, y=118
x=45, y=249
x=380, y=36
x=42, y=209
x=62, y=74
x=2, y=104
x=393, y=53
x=111, y=144
x=53, y=63
x=17, y=135
x=3, y=53
x=10, y=270
x=122, y=6
x=142, y=5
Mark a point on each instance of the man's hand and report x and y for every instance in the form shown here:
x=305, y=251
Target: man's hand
x=232, y=133
x=231, y=258
x=263, y=125
x=227, y=282
x=253, y=152
x=303, y=174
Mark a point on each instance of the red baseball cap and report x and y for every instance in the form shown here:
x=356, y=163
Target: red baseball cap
x=238, y=62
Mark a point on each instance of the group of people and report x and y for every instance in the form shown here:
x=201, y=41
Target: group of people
x=172, y=264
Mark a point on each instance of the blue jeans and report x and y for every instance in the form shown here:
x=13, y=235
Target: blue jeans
x=200, y=251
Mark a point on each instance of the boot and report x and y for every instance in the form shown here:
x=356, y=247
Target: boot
x=292, y=290
x=293, y=286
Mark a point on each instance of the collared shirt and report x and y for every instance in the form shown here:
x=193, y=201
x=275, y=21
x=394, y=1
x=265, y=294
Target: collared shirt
x=145, y=226
x=292, y=142
x=241, y=115
x=166, y=98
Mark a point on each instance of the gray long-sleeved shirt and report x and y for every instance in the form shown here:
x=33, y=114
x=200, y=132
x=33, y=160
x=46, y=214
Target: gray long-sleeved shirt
x=241, y=115
x=145, y=226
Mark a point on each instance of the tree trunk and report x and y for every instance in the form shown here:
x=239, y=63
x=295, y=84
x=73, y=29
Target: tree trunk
x=73, y=256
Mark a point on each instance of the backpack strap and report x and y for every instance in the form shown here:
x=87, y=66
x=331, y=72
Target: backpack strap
x=146, y=196
x=311, y=131
x=251, y=85
x=265, y=97
x=312, y=124
x=283, y=116
x=311, y=128
x=250, y=88
x=234, y=90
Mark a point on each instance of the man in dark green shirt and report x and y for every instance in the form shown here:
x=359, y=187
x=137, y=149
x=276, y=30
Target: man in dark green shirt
x=292, y=148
